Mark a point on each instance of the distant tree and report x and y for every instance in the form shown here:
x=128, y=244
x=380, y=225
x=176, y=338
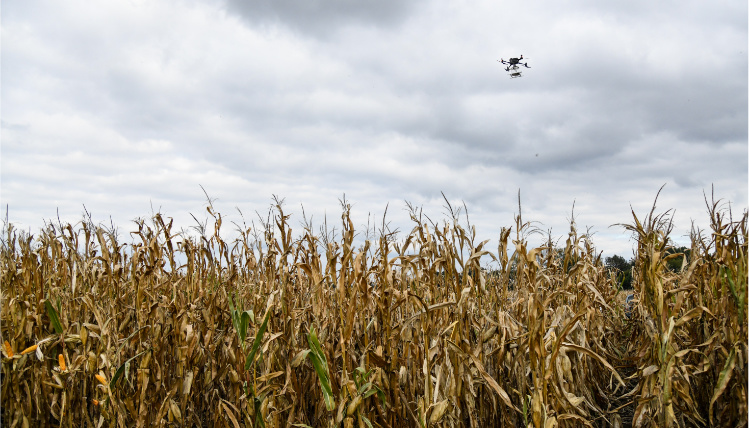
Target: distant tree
x=674, y=264
x=623, y=270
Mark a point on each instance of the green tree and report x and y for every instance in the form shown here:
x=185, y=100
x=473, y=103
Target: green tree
x=674, y=264
x=623, y=270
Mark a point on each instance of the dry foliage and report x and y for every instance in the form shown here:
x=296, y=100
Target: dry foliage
x=267, y=330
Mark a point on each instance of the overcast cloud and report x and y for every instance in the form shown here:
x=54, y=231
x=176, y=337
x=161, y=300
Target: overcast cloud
x=122, y=106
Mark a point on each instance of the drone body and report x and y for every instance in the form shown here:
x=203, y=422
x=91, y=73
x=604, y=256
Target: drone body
x=513, y=66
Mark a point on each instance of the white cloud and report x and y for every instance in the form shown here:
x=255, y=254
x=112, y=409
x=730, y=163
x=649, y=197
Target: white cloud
x=121, y=105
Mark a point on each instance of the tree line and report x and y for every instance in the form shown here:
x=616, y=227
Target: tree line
x=623, y=267
x=617, y=264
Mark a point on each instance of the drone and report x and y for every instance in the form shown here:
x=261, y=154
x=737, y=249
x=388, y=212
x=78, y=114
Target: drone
x=513, y=66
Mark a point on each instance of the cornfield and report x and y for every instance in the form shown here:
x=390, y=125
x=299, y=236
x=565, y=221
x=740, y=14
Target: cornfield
x=329, y=329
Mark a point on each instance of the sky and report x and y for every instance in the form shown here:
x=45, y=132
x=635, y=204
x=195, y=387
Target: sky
x=121, y=109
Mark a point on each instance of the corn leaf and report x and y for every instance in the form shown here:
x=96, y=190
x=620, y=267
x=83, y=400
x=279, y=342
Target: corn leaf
x=725, y=376
x=320, y=363
x=52, y=313
x=256, y=343
x=123, y=368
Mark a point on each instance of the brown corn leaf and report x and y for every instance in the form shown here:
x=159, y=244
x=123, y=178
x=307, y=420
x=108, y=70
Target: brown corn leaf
x=725, y=376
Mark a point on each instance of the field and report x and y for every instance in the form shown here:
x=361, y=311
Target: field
x=325, y=329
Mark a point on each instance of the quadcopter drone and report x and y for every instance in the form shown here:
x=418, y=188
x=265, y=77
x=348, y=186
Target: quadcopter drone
x=513, y=66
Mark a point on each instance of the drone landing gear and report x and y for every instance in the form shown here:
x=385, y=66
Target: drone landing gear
x=514, y=71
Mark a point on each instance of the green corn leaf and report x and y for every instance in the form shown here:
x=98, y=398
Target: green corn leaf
x=244, y=321
x=233, y=312
x=256, y=343
x=366, y=421
x=259, y=422
x=52, y=313
x=739, y=295
x=130, y=337
x=125, y=366
x=320, y=369
x=364, y=388
x=314, y=345
x=380, y=394
x=317, y=357
x=360, y=376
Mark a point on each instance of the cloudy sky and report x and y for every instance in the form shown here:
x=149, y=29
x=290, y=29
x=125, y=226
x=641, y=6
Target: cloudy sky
x=125, y=107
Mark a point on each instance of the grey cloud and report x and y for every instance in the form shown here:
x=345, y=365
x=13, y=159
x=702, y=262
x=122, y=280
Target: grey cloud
x=321, y=18
x=383, y=101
